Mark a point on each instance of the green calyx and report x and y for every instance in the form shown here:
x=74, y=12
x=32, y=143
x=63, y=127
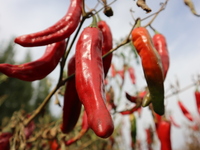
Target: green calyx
x=94, y=22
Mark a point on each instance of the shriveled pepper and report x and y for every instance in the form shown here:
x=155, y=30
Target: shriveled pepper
x=89, y=78
x=152, y=67
x=38, y=69
x=164, y=134
x=107, y=44
x=160, y=44
x=185, y=111
x=72, y=104
x=57, y=32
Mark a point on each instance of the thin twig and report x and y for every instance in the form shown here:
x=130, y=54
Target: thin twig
x=183, y=89
x=156, y=14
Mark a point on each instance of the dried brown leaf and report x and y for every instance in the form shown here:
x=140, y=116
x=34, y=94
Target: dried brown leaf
x=190, y=4
x=143, y=5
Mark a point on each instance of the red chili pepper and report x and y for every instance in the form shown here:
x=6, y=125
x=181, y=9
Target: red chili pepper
x=54, y=145
x=152, y=67
x=72, y=104
x=197, y=98
x=37, y=69
x=130, y=111
x=161, y=46
x=89, y=78
x=132, y=74
x=107, y=44
x=174, y=122
x=58, y=32
x=184, y=110
x=149, y=137
x=164, y=135
x=132, y=99
x=84, y=129
x=4, y=140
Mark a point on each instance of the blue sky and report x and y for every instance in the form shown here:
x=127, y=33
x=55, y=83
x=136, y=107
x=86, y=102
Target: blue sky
x=181, y=28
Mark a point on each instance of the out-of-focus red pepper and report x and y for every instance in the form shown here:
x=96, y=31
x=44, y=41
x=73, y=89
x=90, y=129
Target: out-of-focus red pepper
x=152, y=67
x=185, y=111
x=58, y=32
x=197, y=99
x=113, y=70
x=121, y=73
x=37, y=69
x=131, y=98
x=174, y=122
x=4, y=140
x=160, y=44
x=72, y=104
x=89, y=78
x=84, y=129
x=164, y=134
x=28, y=130
x=110, y=99
x=132, y=74
x=149, y=137
x=130, y=111
x=107, y=44
x=54, y=145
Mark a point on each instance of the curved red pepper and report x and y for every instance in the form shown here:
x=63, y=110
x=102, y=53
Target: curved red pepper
x=152, y=67
x=89, y=81
x=84, y=129
x=164, y=135
x=132, y=99
x=160, y=44
x=184, y=110
x=173, y=122
x=37, y=69
x=197, y=99
x=58, y=32
x=72, y=104
x=130, y=111
x=107, y=44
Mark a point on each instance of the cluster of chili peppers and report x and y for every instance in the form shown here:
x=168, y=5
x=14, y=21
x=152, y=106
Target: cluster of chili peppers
x=90, y=69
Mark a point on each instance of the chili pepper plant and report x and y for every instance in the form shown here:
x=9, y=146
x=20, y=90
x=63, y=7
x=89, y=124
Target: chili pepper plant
x=98, y=88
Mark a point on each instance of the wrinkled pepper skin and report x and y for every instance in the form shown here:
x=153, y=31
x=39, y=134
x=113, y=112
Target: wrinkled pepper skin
x=152, y=67
x=89, y=81
x=160, y=44
x=164, y=134
x=107, y=44
x=185, y=111
x=57, y=32
x=38, y=69
x=197, y=99
x=72, y=104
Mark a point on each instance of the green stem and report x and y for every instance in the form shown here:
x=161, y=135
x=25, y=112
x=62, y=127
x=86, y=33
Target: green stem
x=94, y=22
